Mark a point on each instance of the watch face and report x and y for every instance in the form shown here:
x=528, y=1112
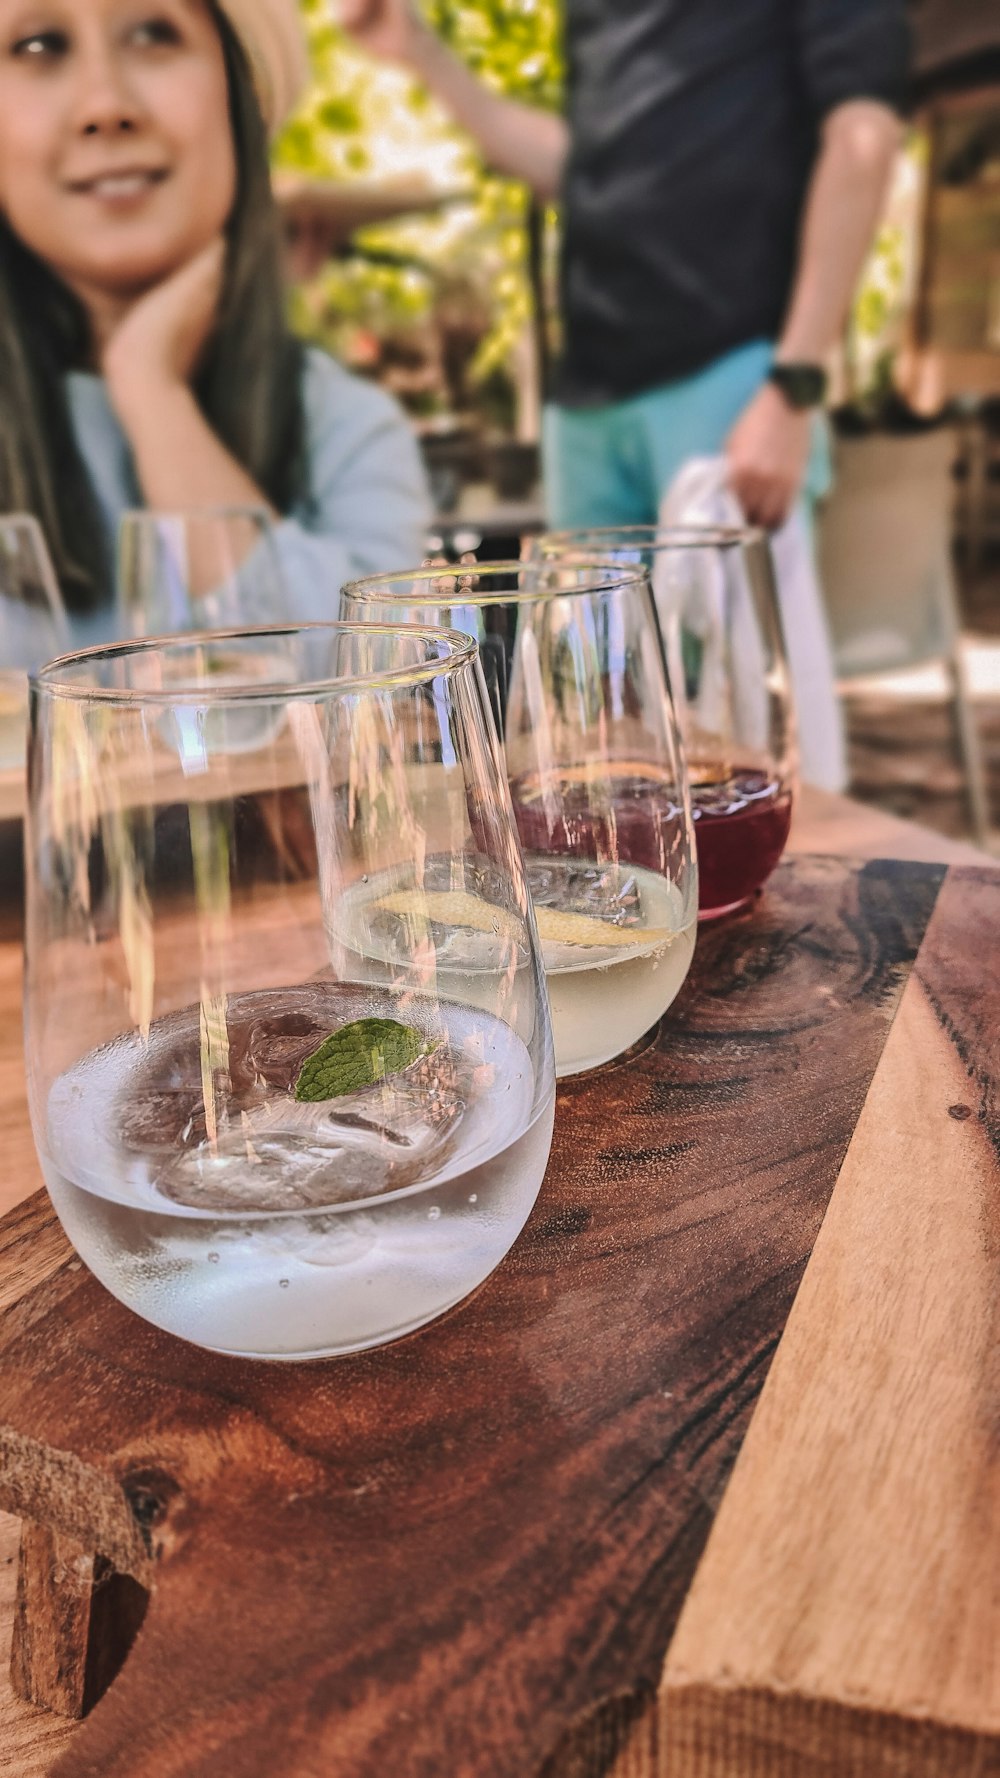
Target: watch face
x=803, y=385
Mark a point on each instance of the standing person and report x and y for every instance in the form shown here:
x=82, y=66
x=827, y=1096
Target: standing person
x=722, y=165
x=144, y=353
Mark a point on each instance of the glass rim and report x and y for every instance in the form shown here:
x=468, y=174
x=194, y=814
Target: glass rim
x=691, y=535
x=455, y=651
x=389, y=588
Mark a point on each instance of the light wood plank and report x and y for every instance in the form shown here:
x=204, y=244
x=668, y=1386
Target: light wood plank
x=846, y=1615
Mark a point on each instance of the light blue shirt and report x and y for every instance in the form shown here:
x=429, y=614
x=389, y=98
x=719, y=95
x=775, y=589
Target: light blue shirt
x=366, y=511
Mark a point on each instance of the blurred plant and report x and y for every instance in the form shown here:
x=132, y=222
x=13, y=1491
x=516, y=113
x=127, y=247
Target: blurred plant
x=877, y=324
x=365, y=121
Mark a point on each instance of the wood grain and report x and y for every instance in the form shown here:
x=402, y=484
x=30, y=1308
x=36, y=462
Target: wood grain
x=467, y=1552
x=846, y=1617
x=822, y=823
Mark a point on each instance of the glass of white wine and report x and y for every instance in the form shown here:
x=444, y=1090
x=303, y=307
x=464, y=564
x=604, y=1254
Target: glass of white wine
x=206, y=568
x=574, y=668
x=33, y=628
x=274, y=1117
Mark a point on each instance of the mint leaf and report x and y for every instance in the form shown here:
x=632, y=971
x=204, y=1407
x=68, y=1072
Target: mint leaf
x=358, y=1055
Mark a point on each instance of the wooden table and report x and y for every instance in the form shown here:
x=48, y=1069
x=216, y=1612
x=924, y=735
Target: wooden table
x=498, y=1547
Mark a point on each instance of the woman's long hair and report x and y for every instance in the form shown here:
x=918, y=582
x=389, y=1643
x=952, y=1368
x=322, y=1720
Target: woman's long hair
x=248, y=387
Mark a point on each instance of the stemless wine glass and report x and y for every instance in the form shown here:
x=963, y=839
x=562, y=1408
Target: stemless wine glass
x=32, y=626
x=573, y=665
x=208, y=568
x=278, y=1114
x=721, y=627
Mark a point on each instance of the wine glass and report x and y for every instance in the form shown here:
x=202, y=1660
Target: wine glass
x=33, y=626
x=289, y=1054
x=575, y=675
x=210, y=568
x=721, y=627
x=207, y=568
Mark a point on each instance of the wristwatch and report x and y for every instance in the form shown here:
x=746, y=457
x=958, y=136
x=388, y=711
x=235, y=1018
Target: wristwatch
x=802, y=385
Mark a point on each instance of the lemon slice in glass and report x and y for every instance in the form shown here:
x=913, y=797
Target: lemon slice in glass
x=456, y=907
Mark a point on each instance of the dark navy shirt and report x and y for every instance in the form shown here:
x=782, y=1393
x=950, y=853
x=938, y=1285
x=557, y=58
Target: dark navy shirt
x=694, y=128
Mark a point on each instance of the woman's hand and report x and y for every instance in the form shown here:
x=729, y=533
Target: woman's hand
x=148, y=363
x=158, y=345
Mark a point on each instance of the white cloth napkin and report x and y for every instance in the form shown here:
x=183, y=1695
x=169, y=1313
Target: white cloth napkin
x=700, y=494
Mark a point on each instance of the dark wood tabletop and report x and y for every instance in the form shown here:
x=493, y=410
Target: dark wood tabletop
x=470, y=1552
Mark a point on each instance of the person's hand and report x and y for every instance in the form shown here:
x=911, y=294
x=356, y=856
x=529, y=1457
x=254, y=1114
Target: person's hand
x=161, y=339
x=386, y=28
x=767, y=451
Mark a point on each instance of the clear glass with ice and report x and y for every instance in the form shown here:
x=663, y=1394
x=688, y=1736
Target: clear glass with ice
x=260, y=1131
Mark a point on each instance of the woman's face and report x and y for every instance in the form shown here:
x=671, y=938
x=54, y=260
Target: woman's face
x=116, y=155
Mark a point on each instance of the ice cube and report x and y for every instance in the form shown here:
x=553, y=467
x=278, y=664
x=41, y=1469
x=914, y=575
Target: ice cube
x=157, y=1118
x=280, y=1155
x=602, y=891
x=276, y=1047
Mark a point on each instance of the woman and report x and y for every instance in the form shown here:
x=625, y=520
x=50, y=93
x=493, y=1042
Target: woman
x=144, y=354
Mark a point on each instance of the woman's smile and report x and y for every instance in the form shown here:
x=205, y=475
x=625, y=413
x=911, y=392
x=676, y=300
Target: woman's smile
x=120, y=188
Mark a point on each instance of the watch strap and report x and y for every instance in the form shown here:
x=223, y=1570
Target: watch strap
x=802, y=385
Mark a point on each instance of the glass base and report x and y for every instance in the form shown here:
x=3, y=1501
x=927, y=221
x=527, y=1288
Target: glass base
x=729, y=907
x=369, y=1344
x=621, y=1060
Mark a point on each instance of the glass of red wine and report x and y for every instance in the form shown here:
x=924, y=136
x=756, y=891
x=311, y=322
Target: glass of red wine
x=722, y=638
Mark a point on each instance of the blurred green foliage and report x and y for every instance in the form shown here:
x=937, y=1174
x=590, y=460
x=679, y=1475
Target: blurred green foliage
x=878, y=318
x=514, y=45
x=365, y=121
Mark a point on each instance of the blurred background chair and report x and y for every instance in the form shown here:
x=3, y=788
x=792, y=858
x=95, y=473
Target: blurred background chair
x=977, y=504
x=885, y=568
